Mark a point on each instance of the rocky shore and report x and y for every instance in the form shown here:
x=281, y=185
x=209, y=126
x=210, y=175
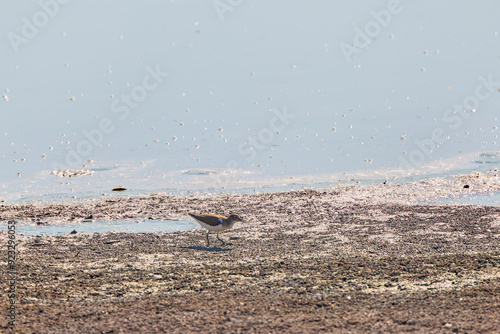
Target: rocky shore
x=361, y=259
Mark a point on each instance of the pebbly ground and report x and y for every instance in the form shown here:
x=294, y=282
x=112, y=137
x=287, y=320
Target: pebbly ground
x=370, y=258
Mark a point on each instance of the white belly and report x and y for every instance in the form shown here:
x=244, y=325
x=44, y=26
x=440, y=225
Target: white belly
x=217, y=228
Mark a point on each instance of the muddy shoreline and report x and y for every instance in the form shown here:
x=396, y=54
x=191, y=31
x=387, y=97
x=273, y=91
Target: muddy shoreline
x=342, y=260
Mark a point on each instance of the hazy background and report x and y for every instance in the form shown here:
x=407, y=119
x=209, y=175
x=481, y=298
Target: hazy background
x=416, y=92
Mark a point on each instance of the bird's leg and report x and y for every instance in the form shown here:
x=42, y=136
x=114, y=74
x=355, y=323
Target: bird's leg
x=208, y=242
x=223, y=242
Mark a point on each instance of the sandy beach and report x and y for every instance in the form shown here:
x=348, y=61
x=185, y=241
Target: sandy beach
x=371, y=258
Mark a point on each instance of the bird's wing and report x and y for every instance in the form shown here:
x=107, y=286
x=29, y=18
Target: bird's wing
x=212, y=220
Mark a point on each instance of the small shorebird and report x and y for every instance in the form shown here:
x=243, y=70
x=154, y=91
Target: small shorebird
x=216, y=223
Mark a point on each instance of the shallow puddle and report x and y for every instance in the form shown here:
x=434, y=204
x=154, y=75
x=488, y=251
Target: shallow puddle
x=489, y=199
x=101, y=226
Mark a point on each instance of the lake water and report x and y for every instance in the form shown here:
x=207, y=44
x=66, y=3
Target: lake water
x=233, y=96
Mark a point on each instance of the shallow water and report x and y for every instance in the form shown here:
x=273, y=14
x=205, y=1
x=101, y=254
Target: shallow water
x=261, y=97
x=99, y=226
x=208, y=181
x=489, y=199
